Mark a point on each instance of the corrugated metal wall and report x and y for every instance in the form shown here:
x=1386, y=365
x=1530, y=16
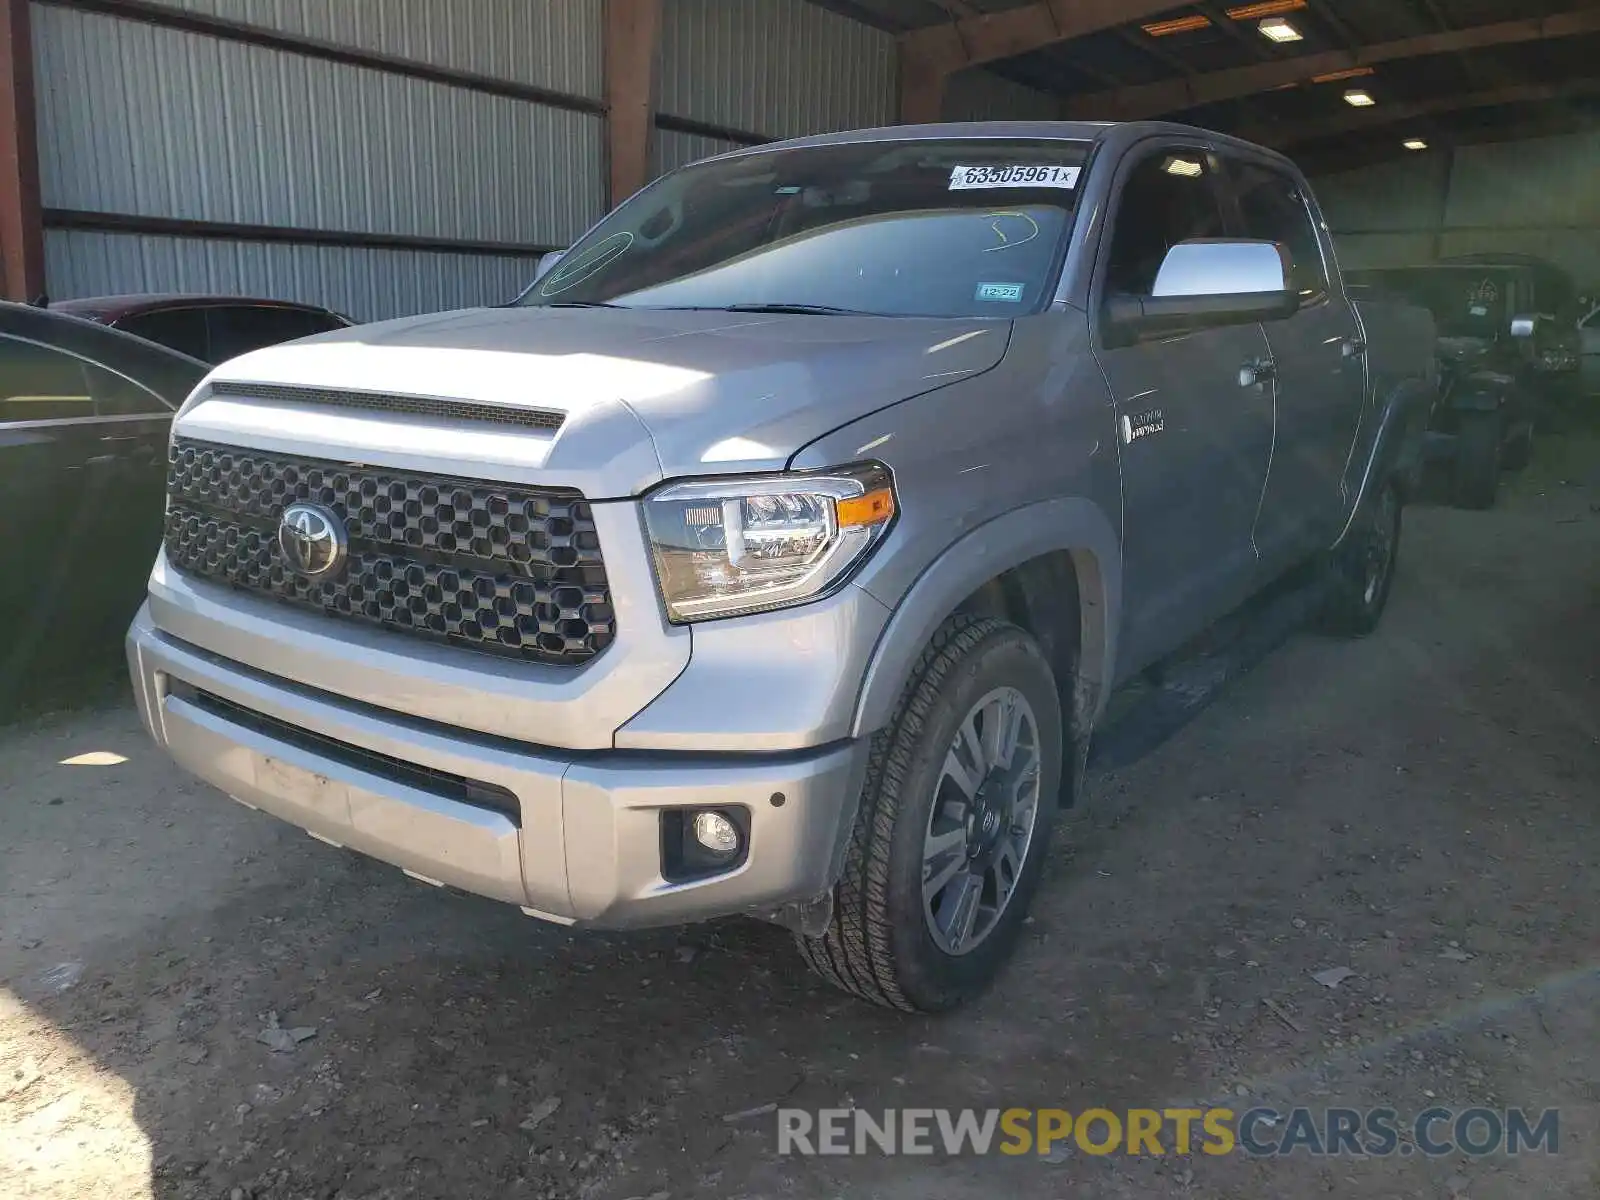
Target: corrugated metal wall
x=150, y=121
x=984, y=96
x=1539, y=197
x=546, y=43
x=775, y=68
x=369, y=284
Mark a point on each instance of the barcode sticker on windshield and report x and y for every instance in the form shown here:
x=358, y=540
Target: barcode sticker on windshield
x=963, y=179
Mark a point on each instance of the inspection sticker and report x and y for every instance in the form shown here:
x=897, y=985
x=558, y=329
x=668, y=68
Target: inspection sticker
x=1010, y=292
x=1022, y=175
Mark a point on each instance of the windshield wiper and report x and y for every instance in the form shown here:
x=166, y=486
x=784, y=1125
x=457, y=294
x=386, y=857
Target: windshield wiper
x=582, y=304
x=825, y=310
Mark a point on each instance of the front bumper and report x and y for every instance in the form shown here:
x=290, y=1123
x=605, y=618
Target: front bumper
x=578, y=837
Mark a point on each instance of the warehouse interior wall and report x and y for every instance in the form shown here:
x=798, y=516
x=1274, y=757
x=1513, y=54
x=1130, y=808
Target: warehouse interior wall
x=176, y=158
x=1538, y=196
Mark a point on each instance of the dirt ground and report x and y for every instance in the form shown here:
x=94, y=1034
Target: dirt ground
x=1420, y=808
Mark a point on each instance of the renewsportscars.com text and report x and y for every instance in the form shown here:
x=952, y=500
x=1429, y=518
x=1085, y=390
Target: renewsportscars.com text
x=1257, y=1132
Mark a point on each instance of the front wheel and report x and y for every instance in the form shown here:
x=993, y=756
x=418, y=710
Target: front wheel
x=952, y=829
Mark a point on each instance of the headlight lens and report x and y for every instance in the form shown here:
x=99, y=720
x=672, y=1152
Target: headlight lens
x=725, y=547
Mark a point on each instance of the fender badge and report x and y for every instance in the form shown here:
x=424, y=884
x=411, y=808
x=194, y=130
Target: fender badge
x=1143, y=425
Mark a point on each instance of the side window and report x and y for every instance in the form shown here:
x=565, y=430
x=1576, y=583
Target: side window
x=41, y=384
x=1168, y=198
x=180, y=329
x=239, y=329
x=1273, y=210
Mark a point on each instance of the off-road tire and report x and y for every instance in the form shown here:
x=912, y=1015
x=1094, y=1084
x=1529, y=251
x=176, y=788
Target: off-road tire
x=1477, y=464
x=1353, y=605
x=877, y=945
x=1517, y=455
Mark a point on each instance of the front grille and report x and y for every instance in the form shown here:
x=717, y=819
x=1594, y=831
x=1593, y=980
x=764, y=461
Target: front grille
x=456, y=410
x=496, y=567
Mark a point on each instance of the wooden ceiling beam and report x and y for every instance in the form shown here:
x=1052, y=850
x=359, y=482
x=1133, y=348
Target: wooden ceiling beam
x=973, y=41
x=1156, y=99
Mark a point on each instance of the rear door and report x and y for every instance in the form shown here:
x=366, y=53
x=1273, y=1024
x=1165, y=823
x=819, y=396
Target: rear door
x=130, y=464
x=1320, y=367
x=52, y=503
x=1194, y=442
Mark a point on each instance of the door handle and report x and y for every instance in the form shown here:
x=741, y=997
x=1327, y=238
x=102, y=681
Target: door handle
x=1354, y=347
x=1258, y=371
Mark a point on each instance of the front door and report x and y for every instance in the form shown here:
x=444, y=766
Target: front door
x=1320, y=366
x=1194, y=440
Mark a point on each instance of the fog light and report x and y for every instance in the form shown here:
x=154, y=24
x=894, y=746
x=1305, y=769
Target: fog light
x=716, y=833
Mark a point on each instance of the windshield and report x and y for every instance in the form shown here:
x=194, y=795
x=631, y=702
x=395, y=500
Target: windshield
x=958, y=228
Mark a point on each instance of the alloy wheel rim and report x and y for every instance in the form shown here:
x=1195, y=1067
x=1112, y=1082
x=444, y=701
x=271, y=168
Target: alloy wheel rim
x=981, y=823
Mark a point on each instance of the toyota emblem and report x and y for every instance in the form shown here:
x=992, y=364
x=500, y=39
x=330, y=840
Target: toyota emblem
x=312, y=540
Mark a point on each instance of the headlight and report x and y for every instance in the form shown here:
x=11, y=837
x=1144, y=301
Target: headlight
x=725, y=547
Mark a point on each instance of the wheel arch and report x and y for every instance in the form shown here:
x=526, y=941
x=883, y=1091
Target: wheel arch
x=1396, y=451
x=1016, y=566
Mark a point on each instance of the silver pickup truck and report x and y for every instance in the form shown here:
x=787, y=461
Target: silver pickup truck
x=776, y=551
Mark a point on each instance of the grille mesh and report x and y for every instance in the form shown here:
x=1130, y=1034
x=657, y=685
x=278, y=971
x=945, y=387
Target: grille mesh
x=458, y=410
x=495, y=567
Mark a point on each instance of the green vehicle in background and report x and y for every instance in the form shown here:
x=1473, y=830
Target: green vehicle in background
x=1508, y=359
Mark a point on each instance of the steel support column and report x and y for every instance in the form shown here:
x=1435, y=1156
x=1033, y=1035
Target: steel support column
x=21, y=228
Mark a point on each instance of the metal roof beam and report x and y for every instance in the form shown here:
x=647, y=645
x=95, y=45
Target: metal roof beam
x=1385, y=115
x=1155, y=99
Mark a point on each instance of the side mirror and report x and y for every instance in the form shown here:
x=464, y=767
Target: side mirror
x=1210, y=282
x=546, y=260
x=1523, y=326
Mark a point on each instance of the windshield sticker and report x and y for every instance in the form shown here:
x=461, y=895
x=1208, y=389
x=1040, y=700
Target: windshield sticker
x=1022, y=230
x=573, y=270
x=1022, y=175
x=1010, y=293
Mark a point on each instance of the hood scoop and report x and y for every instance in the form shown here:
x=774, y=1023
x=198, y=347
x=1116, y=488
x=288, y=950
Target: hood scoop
x=427, y=406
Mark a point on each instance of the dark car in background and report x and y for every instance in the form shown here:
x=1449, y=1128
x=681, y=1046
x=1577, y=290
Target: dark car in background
x=84, y=417
x=212, y=329
x=1498, y=354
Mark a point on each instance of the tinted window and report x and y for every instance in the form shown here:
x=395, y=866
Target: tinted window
x=922, y=228
x=239, y=329
x=1273, y=210
x=321, y=322
x=180, y=329
x=41, y=384
x=1168, y=198
x=115, y=396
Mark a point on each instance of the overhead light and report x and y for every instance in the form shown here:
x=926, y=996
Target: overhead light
x=1176, y=25
x=1357, y=98
x=1186, y=167
x=1268, y=8
x=1276, y=29
x=1414, y=144
x=1350, y=73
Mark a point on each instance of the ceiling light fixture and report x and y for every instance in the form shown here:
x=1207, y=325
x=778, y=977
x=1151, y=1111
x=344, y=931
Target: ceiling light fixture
x=1188, y=168
x=1268, y=8
x=1414, y=144
x=1276, y=29
x=1350, y=73
x=1176, y=25
x=1356, y=98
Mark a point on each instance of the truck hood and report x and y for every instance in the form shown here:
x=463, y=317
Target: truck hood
x=642, y=395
